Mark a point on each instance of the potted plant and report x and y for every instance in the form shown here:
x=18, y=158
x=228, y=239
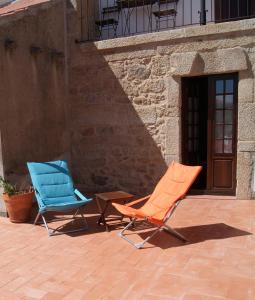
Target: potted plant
x=18, y=203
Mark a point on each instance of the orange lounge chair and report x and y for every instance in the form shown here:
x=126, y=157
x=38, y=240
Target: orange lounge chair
x=162, y=203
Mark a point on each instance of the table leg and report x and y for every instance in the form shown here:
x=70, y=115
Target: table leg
x=101, y=219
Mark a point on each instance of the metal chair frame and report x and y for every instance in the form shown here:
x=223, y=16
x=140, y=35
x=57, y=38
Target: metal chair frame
x=52, y=232
x=71, y=198
x=159, y=228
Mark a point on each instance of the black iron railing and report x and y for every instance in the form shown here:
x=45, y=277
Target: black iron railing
x=119, y=18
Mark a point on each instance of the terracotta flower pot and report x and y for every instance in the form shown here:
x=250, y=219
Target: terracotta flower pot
x=19, y=206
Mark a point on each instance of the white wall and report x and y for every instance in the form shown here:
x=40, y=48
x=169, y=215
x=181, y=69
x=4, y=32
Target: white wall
x=187, y=13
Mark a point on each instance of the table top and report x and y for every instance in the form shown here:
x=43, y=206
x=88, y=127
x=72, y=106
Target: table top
x=114, y=196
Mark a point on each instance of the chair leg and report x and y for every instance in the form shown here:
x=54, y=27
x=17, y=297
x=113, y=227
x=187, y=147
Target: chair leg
x=84, y=219
x=36, y=218
x=137, y=245
x=46, y=226
x=52, y=232
x=75, y=214
x=173, y=232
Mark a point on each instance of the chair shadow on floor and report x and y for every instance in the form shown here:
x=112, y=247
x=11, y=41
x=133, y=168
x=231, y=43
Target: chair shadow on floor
x=194, y=234
x=56, y=219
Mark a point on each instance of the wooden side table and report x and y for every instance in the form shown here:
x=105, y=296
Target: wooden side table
x=108, y=198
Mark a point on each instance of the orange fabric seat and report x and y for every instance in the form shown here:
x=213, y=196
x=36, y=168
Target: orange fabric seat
x=129, y=211
x=171, y=189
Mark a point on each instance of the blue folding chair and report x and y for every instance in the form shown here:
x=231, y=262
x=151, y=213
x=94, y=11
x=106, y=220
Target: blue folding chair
x=55, y=191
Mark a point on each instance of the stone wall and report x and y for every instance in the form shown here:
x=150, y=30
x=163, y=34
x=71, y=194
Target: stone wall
x=116, y=130
x=33, y=102
x=125, y=97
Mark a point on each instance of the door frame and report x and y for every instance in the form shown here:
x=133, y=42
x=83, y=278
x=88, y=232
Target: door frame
x=208, y=189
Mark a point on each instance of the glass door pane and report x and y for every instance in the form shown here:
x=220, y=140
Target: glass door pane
x=224, y=116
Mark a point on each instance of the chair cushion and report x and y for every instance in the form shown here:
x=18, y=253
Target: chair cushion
x=67, y=204
x=171, y=188
x=52, y=182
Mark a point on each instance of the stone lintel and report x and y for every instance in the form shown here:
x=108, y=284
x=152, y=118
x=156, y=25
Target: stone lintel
x=221, y=61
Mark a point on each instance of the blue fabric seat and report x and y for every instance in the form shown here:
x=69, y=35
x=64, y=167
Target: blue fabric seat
x=54, y=188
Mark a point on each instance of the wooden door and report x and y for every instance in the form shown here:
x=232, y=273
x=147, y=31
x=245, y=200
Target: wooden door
x=222, y=140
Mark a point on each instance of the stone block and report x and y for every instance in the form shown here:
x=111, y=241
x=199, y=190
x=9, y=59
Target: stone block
x=118, y=69
x=165, y=50
x=246, y=146
x=221, y=61
x=141, y=101
x=248, y=24
x=246, y=122
x=153, y=86
x=233, y=59
x=160, y=65
x=246, y=87
x=129, y=88
x=173, y=111
x=173, y=136
x=244, y=176
x=157, y=98
x=161, y=111
x=173, y=91
x=140, y=39
x=220, y=28
x=129, y=55
x=138, y=72
x=184, y=63
x=147, y=115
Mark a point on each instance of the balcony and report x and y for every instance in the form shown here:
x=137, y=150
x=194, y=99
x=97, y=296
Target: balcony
x=107, y=19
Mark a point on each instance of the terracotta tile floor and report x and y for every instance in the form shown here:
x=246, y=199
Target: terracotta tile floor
x=217, y=264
